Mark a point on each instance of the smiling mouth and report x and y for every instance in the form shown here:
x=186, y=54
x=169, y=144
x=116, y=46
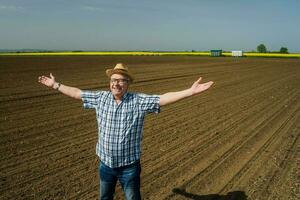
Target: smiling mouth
x=118, y=89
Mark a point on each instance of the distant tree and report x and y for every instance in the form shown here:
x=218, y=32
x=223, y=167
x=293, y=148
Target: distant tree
x=261, y=48
x=284, y=50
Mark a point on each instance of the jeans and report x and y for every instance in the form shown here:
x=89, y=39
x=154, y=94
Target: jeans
x=129, y=177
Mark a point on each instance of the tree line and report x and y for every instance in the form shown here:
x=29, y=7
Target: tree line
x=263, y=49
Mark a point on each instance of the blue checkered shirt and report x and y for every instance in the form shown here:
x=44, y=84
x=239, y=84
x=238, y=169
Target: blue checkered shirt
x=120, y=126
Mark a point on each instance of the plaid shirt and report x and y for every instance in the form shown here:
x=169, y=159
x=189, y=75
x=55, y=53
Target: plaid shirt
x=120, y=126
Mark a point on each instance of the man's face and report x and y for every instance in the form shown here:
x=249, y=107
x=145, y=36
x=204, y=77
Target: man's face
x=118, y=85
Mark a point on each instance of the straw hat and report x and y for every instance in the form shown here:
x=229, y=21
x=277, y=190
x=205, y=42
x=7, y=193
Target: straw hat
x=119, y=69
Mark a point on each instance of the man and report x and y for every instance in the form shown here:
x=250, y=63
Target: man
x=120, y=116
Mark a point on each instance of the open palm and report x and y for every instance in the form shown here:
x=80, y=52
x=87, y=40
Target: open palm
x=198, y=87
x=48, y=81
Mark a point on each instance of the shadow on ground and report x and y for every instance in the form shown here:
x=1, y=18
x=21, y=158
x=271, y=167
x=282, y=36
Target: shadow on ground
x=235, y=195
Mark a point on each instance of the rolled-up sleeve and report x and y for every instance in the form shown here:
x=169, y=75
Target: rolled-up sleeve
x=149, y=103
x=91, y=99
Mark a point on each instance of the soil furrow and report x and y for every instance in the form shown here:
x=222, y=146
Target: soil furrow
x=240, y=138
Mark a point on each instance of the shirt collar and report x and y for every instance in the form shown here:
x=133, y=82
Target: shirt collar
x=124, y=97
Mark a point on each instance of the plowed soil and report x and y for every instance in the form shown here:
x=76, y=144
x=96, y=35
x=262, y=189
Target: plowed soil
x=238, y=140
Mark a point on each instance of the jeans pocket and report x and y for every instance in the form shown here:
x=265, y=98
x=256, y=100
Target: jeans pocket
x=106, y=173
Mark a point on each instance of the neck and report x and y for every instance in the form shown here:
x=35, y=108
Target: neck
x=118, y=97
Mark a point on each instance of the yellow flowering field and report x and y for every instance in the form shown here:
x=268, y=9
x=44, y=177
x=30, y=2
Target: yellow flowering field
x=145, y=53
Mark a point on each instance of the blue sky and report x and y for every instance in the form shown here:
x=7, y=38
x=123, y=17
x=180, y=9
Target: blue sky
x=168, y=25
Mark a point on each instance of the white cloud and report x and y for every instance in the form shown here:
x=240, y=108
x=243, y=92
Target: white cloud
x=10, y=8
x=91, y=8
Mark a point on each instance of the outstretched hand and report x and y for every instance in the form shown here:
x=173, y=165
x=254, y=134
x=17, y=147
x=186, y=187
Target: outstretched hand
x=48, y=81
x=198, y=87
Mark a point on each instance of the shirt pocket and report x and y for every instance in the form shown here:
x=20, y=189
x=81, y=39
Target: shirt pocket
x=128, y=116
x=131, y=117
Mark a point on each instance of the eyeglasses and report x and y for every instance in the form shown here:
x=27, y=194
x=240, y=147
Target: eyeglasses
x=120, y=81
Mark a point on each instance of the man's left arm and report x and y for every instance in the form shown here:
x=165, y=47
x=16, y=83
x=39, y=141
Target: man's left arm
x=196, y=88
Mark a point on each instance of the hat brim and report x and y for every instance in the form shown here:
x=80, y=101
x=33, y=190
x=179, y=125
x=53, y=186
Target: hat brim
x=110, y=72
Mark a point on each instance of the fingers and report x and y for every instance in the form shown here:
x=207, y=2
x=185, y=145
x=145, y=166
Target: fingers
x=208, y=84
x=199, y=80
x=42, y=79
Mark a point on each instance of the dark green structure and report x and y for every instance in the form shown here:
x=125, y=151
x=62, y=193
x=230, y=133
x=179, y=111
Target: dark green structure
x=215, y=53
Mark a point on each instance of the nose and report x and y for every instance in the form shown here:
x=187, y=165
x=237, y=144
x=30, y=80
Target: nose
x=115, y=83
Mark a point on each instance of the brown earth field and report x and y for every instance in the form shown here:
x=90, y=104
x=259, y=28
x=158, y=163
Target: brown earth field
x=238, y=140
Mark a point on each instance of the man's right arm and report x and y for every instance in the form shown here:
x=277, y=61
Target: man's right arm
x=66, y=90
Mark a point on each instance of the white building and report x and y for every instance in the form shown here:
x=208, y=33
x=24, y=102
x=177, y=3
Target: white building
x=237, y=53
